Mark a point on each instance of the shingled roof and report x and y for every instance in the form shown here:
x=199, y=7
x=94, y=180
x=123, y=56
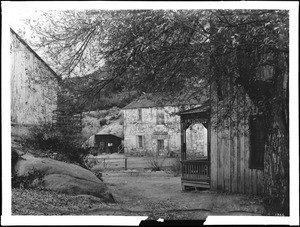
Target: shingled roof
x=115, y=129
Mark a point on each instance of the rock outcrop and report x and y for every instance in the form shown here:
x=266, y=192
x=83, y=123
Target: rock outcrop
x=63, y=177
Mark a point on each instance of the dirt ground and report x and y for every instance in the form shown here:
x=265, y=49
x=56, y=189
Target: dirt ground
x=140, y=192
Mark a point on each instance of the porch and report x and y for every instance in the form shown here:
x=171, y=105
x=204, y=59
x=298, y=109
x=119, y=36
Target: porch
x=195, y=172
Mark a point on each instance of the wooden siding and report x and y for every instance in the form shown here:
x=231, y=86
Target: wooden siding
x=33, y=86
x=116, y=142
x=230, y=145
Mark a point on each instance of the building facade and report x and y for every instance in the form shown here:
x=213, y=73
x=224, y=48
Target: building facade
x=34, y=85
x=155, y=130
x=236, y=143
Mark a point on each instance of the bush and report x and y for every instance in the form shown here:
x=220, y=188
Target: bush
x=49, y=140
x=103, y=121
x=34, y=179
x=274, y=207
x=156, y=162
x=14, y=159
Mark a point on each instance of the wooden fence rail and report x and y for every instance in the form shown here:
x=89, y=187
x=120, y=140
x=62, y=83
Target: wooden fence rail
x=195, y=170
x=104, y=163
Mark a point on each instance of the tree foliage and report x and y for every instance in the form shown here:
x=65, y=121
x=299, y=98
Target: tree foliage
x=155, y=50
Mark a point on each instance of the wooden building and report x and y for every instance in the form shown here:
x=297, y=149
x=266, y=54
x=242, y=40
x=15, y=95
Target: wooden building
x=34, y=85
x=235, y=146
x=108, y=140
x=107, y=143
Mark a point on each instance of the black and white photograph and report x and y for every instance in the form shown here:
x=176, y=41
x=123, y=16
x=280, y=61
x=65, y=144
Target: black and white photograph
x=132, y=112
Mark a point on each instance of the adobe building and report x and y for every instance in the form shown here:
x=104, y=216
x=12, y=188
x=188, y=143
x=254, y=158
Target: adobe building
x=154, y=129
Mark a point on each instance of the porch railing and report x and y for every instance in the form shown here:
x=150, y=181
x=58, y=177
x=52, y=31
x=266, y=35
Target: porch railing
x=195, y=170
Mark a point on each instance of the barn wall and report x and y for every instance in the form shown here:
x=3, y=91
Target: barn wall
x=33, y=86
x=230, y=145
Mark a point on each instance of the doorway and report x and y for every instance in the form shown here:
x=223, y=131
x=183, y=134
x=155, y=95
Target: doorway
x=160, y=146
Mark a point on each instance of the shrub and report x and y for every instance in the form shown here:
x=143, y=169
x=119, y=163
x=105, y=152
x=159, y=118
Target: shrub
x=49, y=140
x=274, y=207
x=103, y=121
x=14, y=159
x=155, y=162
x=34, y=179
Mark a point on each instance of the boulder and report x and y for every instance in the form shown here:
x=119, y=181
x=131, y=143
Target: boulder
x=64, y=177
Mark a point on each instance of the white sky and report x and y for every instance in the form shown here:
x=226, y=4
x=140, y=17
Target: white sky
x=14, y=12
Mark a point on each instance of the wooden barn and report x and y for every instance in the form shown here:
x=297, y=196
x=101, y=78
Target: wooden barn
x=109, y=139
x=107, y=143
x=34, y=86
x=235, y=145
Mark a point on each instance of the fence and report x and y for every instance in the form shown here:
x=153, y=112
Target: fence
x=195, y=170
x=106, y=162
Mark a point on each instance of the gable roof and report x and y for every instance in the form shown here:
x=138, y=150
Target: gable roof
x=114, y=129
x=160, y=100
x=205, y=107
x=35, y=54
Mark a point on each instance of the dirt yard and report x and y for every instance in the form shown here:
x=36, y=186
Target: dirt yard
x=140, y=192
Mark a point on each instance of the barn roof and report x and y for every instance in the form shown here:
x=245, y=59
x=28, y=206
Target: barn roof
x=35, y=54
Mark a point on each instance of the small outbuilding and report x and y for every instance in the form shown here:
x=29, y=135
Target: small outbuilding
x=108, y=140
x=107, y=143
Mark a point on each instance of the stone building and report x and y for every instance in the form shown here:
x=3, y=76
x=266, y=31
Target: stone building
x=34, y=85
x=151, y=128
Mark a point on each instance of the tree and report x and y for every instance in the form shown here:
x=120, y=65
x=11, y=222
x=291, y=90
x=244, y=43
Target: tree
x=184, y=52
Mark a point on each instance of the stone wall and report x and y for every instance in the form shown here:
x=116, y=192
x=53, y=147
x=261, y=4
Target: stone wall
x=152, y=133
x=33, y=85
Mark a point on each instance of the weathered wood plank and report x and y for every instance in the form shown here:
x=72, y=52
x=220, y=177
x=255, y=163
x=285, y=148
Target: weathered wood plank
x=214, y=160
x=220, y=159
x=32, y=101
x=220, y=152
x=242, y=161
x=214, y=141
x=258, y=182
x=231, y=156
x=226, y=158
x=246, y=152
x=254, y=181
x=235, y=161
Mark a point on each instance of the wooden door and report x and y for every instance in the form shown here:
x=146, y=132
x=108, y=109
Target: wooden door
x=160, y=146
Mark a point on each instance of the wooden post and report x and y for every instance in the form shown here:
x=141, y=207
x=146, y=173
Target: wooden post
x=103, y=162
x=183, y=141
x=125, y=163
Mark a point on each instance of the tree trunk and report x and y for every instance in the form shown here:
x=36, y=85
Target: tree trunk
x=276, y=172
